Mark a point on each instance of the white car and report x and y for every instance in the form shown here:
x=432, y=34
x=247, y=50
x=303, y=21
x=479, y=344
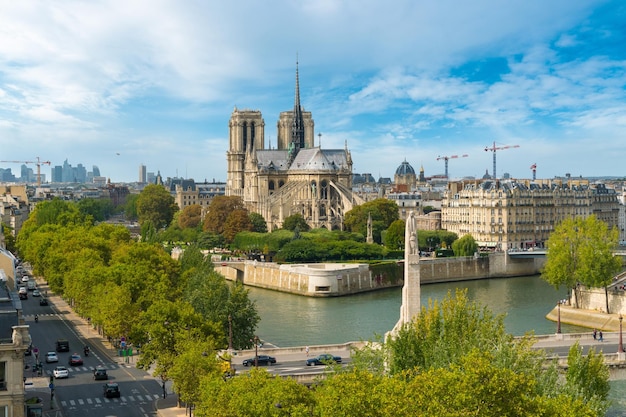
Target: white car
x=61, y=372
x=25, y=278
x=51, y=357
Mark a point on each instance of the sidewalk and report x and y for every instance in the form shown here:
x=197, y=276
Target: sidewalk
x=39, y=386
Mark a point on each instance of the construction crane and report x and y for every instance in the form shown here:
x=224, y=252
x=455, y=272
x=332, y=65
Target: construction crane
x=533, y=167
x=445, y=158
x=38, y=162
x=495, y=148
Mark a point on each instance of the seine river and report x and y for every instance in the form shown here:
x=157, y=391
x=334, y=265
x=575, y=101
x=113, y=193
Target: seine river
x=292, y=320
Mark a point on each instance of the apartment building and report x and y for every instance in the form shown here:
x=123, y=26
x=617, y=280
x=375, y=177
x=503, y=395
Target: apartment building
x=507, y=214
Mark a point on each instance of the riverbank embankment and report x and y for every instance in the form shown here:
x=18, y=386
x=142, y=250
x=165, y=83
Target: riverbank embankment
x=332, y=280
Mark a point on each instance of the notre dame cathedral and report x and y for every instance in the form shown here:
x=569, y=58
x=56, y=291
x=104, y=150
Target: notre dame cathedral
x=296, y=177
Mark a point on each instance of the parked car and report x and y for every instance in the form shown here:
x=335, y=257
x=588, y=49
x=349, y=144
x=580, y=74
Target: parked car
x=75, y=360
x=43, y=301
x=61, y=372
x=100, y=373
x=111, y=390
x=262, y=360
x=323, y=359
x=51, y=357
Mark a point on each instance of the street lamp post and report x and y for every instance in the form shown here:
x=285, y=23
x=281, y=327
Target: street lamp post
x=558, y=320
x=256, y=352
x=620, y=348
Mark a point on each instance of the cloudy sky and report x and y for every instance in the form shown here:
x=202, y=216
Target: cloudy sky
x=120, y=83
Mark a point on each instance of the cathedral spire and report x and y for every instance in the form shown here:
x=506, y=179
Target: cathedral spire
x=297, y=126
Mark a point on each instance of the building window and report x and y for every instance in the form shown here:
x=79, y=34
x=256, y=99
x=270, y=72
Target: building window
x=3, y=376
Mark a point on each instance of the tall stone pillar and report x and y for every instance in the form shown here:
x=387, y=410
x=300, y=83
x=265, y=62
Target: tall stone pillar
x=410, y=307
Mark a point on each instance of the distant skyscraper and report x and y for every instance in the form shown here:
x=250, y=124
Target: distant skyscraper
x=96, y=171
x=142, y=174
x=56, y=174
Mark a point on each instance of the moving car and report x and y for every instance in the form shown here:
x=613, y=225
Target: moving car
x=63, y=345
x=75, y=360
x=51, y=357
x=323, y=359
x=36, y=293
x=262, y=360
x=43, y=301
x=100, y=373
x=111, y=390
x=61, y=372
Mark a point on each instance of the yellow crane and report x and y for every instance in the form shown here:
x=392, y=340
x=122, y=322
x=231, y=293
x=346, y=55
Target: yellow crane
x=38, y=162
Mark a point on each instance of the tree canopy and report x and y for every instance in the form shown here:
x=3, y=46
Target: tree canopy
x=295, y=221
x=156, y=205
x=219, y=210
x=581, y=251
x=383, y=211
x=465, y=246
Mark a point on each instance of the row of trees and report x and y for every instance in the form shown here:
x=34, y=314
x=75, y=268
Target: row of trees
x=135, y=289
x=454, y=359
x=228, y=223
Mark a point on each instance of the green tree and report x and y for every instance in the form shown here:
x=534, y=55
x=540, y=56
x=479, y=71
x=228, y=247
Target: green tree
x=98, y=208
x=581, y=251
x=190, y=216
x=130, y=207
x=9, y=239
x=218, y=212
x=156, y=205
x=295, y=221
x=383, y=211
x=258, y=223
x=237, y=221
x=210, y=240
x=394, y=237
x=587, y=376
x=465, y=246
x=258, y=393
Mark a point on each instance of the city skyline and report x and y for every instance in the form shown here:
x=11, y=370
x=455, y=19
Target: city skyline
x=118, y=85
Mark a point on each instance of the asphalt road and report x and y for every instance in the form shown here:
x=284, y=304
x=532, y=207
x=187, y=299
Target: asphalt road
x=80, y=395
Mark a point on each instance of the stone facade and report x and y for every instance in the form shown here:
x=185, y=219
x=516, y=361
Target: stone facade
x=506, y=214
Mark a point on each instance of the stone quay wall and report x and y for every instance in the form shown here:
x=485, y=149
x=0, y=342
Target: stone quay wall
x=329, y=279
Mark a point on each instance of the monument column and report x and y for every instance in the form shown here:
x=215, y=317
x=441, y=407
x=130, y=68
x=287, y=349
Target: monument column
x=410, y=307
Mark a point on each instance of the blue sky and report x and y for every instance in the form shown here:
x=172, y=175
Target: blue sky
x=122, y=83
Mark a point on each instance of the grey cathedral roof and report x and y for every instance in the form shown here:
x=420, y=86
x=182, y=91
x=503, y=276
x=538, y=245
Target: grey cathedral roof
x=311, y=159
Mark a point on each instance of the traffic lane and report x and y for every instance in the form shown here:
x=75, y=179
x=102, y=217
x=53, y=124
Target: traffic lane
x=293, y=367
x=561, y=350
x=81, y=395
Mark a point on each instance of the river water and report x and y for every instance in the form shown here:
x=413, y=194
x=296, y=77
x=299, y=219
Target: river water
x=293, y=320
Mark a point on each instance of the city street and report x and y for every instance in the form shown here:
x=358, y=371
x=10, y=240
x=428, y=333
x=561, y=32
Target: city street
x=79, y=394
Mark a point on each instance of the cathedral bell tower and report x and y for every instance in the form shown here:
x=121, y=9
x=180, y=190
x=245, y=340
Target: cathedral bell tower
x=246, y=134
